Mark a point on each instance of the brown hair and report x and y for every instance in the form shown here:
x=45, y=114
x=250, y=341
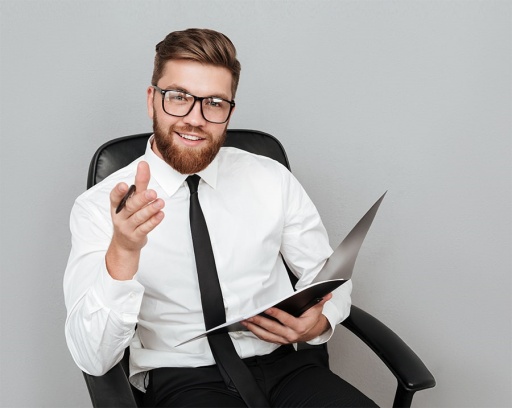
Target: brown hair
x=201, y=45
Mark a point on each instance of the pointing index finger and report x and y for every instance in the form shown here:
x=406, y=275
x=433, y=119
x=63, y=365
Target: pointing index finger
x=142, y=176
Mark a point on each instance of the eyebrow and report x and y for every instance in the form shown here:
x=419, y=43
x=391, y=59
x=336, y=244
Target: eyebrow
x=176, y=87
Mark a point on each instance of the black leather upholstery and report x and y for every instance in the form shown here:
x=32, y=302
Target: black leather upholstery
x=113, y=388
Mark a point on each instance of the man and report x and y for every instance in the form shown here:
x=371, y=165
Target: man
x=131, y=278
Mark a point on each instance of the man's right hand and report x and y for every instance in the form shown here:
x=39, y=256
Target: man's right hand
x=141, y=214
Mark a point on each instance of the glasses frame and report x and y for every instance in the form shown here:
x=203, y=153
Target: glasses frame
x=196, y=98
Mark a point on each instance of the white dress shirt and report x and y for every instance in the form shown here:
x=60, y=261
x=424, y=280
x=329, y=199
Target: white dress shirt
x=255, y=210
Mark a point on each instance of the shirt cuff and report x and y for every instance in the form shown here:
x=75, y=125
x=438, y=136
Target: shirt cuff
x=122, y=297
x=331, y=313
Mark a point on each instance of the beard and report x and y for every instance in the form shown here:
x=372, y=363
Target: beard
x=186, y=160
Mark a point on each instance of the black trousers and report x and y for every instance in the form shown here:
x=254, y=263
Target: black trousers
x=289, y=378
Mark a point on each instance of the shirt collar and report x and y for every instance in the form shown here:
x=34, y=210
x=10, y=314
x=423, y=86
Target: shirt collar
x=169, y=179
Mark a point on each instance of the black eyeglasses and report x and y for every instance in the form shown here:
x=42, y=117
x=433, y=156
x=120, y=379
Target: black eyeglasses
x=180, y=104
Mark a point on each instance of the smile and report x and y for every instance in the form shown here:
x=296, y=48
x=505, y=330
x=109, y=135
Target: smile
x=190, y=137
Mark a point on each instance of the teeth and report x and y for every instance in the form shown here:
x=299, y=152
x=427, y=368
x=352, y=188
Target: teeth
x=190, y=137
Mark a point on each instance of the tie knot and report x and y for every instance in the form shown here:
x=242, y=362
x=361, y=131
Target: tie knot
x=193, y=183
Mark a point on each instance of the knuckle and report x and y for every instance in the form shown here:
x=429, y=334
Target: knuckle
x=138, y=218
x=148, y=225
x=291, y=337
x=143, y=229
x=300, y=328
x=135, y=202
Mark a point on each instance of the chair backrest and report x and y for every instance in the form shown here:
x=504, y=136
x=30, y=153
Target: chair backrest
x=120, y=152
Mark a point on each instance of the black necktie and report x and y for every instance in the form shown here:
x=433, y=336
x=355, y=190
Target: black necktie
x=234, y=371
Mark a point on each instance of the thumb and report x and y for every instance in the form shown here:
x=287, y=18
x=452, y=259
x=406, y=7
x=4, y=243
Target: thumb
x=117, y=194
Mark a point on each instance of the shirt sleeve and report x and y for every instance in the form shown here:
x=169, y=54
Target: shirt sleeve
x=101, y=312
x=305, y=248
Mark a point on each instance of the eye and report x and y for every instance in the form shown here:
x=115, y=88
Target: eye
x=215, y=102
x=176, y=96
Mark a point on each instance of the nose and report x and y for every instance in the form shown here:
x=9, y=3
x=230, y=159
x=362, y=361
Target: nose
x=195, y=116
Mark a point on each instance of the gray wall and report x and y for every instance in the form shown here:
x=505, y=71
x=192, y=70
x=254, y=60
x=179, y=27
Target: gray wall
x=413, y=97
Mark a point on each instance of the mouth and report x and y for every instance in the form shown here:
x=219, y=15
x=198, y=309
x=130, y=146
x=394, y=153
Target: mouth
x=190, y=137
x=190, y=140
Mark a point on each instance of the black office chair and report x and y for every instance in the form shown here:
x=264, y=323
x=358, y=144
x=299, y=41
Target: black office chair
x=114, y=390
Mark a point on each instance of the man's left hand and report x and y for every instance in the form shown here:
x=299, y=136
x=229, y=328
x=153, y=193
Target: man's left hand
x=289, y=329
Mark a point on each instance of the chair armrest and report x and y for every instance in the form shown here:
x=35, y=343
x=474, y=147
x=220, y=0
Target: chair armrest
x=111, y=389
x=411, y=374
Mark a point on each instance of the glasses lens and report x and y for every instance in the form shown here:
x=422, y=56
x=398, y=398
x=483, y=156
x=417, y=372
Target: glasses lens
x=177, y=103
x=216, y=110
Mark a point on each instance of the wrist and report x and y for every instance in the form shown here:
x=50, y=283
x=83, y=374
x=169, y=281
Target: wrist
x=323, y=325
x=122, y=264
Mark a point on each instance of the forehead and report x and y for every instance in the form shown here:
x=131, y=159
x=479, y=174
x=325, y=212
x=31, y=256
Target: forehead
x=196, y=78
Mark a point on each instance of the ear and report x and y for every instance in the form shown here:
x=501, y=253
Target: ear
x=150, y=101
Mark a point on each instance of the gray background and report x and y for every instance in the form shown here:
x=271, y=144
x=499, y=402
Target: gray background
x=413, y=97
